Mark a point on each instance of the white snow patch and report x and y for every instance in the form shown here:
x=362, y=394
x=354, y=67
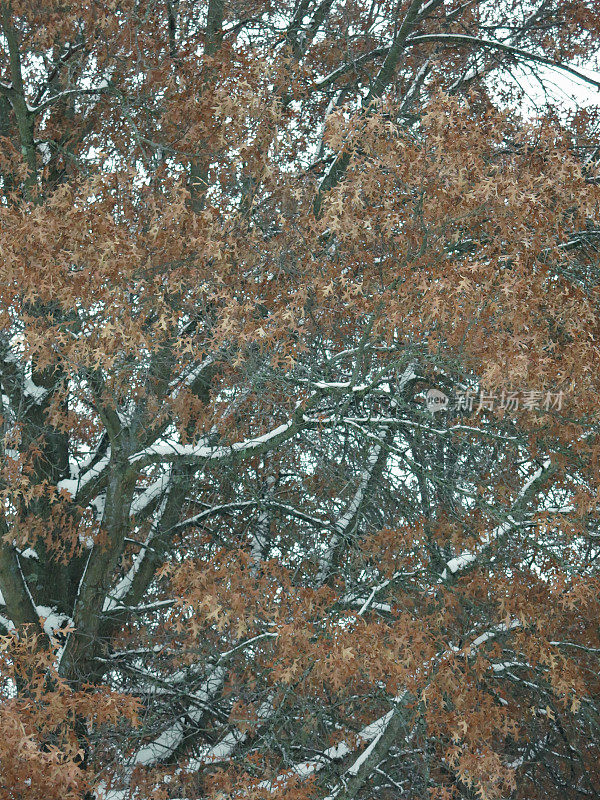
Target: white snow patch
x=458, y=563
x=52, y=620
x=35, y=392
x=29, y=552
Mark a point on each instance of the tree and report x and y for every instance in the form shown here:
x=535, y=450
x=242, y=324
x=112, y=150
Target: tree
x=241, y=555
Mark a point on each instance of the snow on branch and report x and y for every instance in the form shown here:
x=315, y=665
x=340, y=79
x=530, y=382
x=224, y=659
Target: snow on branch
x=187, y=378
x=151, y=493
x=165, y=452
x=75, y=484
x=345, y=524
x=370, y=733
x=170, y=739
x=121, y=590
x=212, y=754
x=530, y=486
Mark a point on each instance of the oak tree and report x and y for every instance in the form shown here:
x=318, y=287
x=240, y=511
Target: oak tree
x=243, y=554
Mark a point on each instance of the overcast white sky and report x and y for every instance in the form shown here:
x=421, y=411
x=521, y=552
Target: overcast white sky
x=562, y=88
